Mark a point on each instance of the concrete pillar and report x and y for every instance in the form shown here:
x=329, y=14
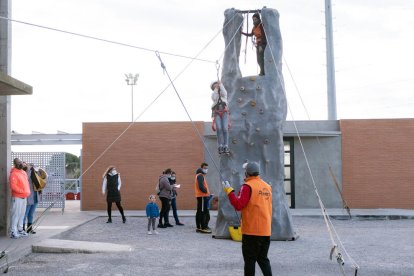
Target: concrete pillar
x=5, y=154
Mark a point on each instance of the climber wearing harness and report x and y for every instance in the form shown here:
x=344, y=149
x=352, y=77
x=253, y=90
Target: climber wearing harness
x=221, y=116
x=261, y=42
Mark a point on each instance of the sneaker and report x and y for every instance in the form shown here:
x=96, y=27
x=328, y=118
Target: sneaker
x=179, y=224
x=161, y=226
x=226, y=150
x=149, y=233
x=206, y=230
x=155, y=232
x=109, y=221
x=14, y=235
x=123, y=219
x=198, y=230
x=168, y=225
x=23, y=233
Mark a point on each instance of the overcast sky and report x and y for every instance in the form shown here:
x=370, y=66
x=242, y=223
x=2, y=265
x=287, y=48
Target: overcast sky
x=79, y=80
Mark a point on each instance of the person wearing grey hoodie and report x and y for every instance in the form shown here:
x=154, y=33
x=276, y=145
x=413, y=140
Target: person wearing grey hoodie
x=165, y=197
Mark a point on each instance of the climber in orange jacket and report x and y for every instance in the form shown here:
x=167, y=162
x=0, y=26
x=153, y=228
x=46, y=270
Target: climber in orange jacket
x=255, y=202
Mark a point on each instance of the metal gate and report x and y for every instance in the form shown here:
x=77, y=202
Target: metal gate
x=54, y=165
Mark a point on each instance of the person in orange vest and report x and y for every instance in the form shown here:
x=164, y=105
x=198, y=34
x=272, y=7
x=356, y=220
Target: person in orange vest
x=261, y=42
x=202, y=194
x=20, y=190
x=255, y=202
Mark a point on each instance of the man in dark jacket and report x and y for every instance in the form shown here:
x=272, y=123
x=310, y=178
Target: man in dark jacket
x=202, y=194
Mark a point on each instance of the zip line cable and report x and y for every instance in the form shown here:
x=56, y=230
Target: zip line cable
x=101, y=39
x=39, y=218
x=157, y=97
x=323, y=209
x=193, y=124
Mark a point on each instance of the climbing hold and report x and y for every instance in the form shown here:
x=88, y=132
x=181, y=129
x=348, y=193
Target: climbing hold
x=242, y=88
x=253, y=103
x=266, y=141
x=258, y=129
x=234, y=141
x=239, y=100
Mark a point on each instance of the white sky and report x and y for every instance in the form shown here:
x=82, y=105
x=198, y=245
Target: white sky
x=79, y=80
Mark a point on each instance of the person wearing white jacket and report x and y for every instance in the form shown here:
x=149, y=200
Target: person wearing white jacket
x=220, y=115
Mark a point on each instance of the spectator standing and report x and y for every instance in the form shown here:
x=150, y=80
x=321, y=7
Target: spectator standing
x=165, y=197
x=152, y=214
x=20, y=190
x=202, y=194
x=174, y=194
x=111, y=185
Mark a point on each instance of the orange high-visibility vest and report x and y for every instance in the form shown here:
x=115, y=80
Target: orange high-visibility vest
x=257, y=215
x=198, y=192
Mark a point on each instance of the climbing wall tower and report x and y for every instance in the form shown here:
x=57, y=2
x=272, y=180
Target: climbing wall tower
x=258, y=109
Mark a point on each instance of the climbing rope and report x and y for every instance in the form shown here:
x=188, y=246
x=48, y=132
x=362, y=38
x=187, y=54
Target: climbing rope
x=328, y=222
x=102, y=39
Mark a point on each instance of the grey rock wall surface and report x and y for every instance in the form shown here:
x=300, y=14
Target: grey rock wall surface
x=258, y=109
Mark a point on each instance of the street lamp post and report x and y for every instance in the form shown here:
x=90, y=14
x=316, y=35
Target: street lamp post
x=132, y=80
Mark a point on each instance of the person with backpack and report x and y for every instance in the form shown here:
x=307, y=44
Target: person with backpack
x=221, y=116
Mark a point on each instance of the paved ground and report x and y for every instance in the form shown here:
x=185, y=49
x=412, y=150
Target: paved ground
x=380, y=247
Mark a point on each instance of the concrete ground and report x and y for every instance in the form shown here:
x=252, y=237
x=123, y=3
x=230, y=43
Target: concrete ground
x=381, y=242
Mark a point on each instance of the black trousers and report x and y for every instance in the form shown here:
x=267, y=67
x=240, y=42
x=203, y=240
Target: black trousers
x=260, y=58
x=203, y=213
x=109, y=209
x=165, y=210
x=255, y=249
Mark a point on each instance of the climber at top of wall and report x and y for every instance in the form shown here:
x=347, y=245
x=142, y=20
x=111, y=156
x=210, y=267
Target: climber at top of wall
x=260, y=43
x=221, y=116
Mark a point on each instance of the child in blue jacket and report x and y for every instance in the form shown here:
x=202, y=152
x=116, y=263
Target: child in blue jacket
x=152, y=214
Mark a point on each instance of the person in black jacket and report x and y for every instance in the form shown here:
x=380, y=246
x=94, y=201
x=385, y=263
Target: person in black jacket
x=111, y=185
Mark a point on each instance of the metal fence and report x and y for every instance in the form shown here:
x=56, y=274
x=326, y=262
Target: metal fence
x=54, y=164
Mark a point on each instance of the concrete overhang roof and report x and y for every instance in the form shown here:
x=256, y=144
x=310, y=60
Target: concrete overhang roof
x=11, y=86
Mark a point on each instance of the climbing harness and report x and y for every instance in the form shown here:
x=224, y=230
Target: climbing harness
x=193, y=124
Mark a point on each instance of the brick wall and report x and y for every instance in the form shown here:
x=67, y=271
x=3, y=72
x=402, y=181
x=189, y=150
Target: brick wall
x=140, y=155
x=378, y=163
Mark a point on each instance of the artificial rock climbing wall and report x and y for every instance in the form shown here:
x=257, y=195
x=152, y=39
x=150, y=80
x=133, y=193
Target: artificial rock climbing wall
x=258, y=109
